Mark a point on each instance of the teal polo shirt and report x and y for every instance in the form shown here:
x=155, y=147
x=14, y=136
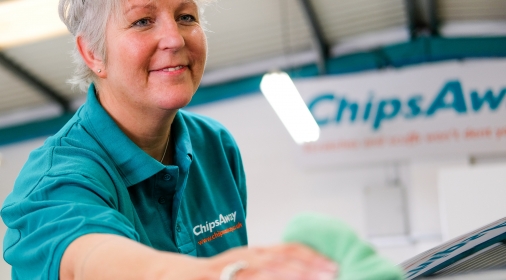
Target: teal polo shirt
x=91, y=178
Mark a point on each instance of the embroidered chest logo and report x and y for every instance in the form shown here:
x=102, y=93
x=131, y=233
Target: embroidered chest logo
x=209, y=227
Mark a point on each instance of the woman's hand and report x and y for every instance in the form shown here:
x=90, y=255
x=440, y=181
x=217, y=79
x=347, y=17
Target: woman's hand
x=105, y=256
x=289, y=261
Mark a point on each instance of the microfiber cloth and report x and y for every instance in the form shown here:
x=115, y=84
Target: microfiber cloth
x=334, y=239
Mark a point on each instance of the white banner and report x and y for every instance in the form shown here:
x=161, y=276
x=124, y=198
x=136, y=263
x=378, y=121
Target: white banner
x=455, y=108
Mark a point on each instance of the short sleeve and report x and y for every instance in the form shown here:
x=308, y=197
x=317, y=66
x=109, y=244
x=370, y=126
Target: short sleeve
x=44, y=215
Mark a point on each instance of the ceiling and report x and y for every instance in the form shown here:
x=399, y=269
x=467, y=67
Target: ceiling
x=248, y=37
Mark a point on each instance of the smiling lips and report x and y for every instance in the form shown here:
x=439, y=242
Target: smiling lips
x=170, y=69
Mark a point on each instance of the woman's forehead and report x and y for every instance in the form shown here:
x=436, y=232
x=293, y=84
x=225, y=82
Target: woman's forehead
x=129, y=6
x=129, y=3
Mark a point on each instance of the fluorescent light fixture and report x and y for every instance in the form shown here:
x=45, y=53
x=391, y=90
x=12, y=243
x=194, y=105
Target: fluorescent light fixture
x=286, y=101
x=26, y=21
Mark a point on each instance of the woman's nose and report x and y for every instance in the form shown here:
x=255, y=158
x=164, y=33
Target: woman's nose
x=171, y=37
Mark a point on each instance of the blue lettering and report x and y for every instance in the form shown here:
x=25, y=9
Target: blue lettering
x=488, y=97
x=414, y=107
x=353, y=107
x=458, y=104
x=382, y=114
x=368, y=107
x=451, y=96
x=312, y=105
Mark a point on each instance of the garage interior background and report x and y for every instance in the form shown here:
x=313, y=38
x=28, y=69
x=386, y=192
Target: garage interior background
x=311, y=40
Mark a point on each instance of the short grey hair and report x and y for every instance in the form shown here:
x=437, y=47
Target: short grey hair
x=88, y=18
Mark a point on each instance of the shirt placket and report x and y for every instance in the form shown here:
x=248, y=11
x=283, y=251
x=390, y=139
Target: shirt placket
x=184, y=242
x=166, y=184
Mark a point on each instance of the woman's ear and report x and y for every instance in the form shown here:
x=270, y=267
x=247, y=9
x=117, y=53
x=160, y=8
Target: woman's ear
x=94, y=62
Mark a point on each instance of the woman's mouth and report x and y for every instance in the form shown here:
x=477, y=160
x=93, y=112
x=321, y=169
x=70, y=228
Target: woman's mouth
x=172, y=69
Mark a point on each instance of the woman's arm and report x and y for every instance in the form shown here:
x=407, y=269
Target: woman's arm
x=105, y=256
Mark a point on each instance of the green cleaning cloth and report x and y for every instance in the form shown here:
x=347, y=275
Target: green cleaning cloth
x=356, y=259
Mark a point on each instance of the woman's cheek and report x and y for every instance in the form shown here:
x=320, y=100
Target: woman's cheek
x=199, y=41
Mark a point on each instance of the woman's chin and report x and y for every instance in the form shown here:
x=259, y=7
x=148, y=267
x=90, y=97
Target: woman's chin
x=174, y=103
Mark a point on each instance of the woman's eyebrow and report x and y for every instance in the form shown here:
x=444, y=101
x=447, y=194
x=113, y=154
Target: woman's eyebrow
x=144, y=7
x=152, y=7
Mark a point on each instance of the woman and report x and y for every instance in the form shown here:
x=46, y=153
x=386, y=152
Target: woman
x=132, y=187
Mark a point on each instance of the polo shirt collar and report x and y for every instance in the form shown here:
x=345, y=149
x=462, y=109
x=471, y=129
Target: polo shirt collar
x=134, y=164
x=183, y=151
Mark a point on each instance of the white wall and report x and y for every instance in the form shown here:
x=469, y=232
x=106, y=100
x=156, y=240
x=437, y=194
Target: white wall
x=470, y=197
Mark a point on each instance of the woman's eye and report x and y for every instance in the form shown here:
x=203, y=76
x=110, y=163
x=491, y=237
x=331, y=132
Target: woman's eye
x=142, y=22
x=187, y=18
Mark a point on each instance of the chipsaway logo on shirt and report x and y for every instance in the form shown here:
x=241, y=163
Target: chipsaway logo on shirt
x=209, y=226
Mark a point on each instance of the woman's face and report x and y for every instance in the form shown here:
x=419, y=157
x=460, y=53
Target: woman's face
x=156, y=53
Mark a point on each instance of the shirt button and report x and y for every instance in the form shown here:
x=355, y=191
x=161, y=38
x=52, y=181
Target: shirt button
x=178, y=228
x=167, y=177
x=162, y=200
